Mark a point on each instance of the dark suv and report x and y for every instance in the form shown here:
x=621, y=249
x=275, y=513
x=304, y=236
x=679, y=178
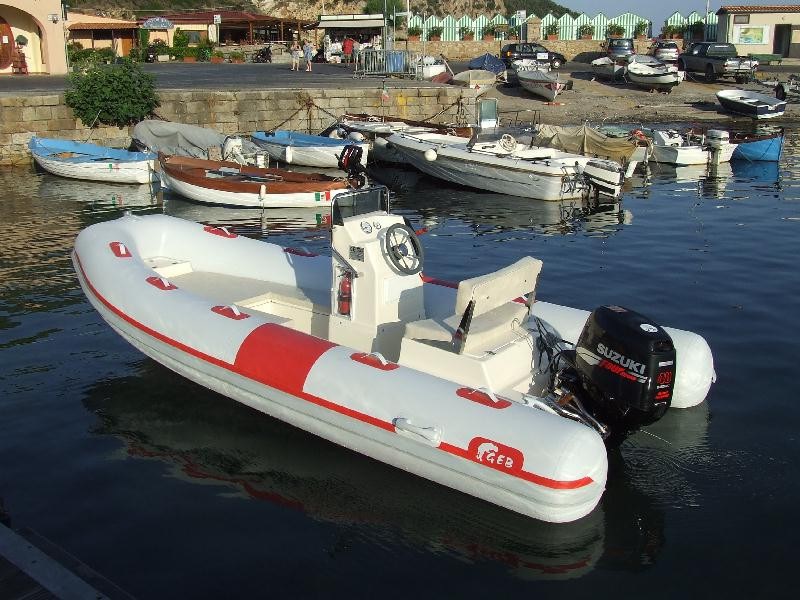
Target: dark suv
x=619, y=48
x=512, y=52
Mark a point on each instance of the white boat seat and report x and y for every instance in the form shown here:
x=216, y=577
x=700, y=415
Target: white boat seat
x=495, y=318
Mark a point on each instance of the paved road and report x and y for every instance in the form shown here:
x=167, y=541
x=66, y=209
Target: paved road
x=207, y=76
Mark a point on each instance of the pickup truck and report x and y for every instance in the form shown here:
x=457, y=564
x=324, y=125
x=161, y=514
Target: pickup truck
x=716, y=59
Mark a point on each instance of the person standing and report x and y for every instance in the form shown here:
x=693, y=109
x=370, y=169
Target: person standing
x=308, y=51
x=347, y=49
x=295, y=50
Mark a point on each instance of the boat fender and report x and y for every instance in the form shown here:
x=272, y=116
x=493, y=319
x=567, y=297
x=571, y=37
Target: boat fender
x=356, y=136
x=344, y=296
x=262, y=192
x=631, y=168
x=289, y=156
x=430, y=155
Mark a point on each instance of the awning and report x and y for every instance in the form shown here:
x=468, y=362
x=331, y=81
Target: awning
x=91, y=26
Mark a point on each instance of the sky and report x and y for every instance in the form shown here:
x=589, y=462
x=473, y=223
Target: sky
x=655, y=10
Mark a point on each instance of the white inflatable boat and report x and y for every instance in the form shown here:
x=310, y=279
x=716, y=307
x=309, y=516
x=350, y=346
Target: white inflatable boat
x=468, y=385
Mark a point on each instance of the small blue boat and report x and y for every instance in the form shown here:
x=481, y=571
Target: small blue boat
x=305, y=149
x=764, y=145
x=78, y=160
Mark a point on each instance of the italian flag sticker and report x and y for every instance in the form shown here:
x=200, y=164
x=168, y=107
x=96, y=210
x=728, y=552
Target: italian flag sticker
x=326, y=196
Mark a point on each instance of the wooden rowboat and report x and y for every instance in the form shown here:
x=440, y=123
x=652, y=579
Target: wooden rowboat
x=231, y=184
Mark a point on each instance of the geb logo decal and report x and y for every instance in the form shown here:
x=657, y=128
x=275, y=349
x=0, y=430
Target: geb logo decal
x=496, y=455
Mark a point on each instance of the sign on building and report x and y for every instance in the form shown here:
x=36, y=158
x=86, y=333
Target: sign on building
x=157, y=23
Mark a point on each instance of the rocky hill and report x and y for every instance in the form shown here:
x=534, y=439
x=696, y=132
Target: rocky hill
x=306, y=9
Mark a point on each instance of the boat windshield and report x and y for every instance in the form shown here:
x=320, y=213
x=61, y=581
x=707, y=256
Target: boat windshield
x=360, y=202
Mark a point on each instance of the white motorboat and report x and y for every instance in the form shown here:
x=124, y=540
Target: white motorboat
x=650, y=73
x=681, y=149
x=501, y=164
x=541, y=83
x=751, y=104
x=608, y=68
x=467, y=385
x=295, y=148
x=90, y=162
x=376, y=128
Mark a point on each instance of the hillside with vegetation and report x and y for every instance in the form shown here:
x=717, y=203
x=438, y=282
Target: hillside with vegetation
x=306, y=9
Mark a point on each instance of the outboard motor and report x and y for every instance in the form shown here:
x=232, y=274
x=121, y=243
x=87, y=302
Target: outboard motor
x=626, y=366
x=350, y=163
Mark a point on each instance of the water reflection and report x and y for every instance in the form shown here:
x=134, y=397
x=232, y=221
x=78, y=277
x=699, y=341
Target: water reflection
x=96, y=194
x=488, y=213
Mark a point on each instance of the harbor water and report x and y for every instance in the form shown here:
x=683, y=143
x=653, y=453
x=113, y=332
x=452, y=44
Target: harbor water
x=172, y=491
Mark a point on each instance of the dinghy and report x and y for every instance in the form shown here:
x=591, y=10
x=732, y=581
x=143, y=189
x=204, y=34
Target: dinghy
x=541, y=83
x=690, y=148
x=608, y=68
x=751, y=104
x=479, y=80
x=766, y=145
x=91, y=162
x=294, y=148
x=498, y=163
x=469, y=386
x=226, y=183
x=650, y=73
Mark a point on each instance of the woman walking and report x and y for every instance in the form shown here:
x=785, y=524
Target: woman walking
x=308, y=51
x=295, y=50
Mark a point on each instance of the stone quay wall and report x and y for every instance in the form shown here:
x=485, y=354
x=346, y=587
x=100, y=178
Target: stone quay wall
x=573, y=50
x=308, y=110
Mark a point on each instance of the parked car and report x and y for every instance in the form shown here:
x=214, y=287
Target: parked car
x=665, y=51
x=511, y=52
x=717, y=59
x=619, y=48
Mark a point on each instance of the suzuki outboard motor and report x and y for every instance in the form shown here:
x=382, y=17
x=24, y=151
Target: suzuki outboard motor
x=626, y=365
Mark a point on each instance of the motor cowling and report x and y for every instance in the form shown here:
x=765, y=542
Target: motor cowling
x=626, y=364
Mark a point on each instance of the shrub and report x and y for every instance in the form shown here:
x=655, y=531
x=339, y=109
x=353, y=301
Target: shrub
x=697, y=27
x=415, y=30
x=180, y=39
x=237, y=55
x=203, y=53
x=218, y=54
x=669, y=30
x=435, y=32
x=551, y=29
x=465, y=32
x=614, y=29
x=489, y=29
x=118, y=95
x=21, y=40
x=586, y=29
x=641, y=28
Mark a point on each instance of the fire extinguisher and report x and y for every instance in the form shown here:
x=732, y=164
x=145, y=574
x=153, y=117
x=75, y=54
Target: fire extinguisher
x=345, y=294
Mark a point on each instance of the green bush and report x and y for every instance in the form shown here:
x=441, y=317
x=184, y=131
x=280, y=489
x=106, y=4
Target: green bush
x=614, y=29
x=237, y=55
x=118, y=95
x=586, y=29
x=465, y=32
x=203, y=53
x=640, y=29
x=415, y=30
x=551, y=29
x=489, y=29
x=180, y=39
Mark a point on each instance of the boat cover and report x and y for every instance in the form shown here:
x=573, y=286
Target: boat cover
x=283, y=137
x=583, y=139
x=67, y=150
x=488, y=62
x=181, y=139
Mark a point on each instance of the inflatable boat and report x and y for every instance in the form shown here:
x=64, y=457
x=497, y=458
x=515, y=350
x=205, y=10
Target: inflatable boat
x=476, y=386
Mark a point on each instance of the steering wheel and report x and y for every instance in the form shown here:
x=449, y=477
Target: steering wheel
x=403, y=250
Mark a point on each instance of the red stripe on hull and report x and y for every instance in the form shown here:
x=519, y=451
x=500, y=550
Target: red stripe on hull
x=279, y=356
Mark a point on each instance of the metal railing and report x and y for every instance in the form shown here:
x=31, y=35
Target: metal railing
x=382, y=63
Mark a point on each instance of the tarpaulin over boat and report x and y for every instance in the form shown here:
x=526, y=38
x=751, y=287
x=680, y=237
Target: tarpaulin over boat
x=182, y=139
x=583, y=139
x=488, y=62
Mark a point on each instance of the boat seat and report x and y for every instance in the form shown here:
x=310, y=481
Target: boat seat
x=288, y=296
x=496, y=316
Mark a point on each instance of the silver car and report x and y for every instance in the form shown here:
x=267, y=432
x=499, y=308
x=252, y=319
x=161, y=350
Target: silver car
x=665, y=51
